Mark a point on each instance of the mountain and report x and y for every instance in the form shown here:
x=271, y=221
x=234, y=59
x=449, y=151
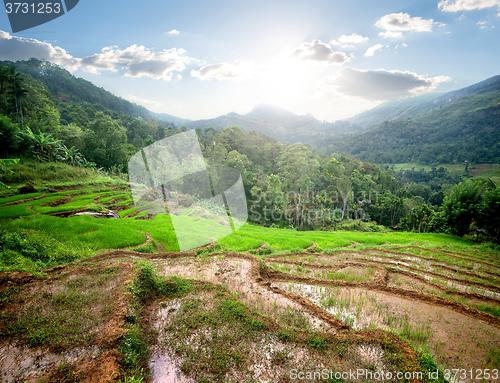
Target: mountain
x=278, y=123
x=397, y=109
x=415, y=106
x=454, y=127
x=65, y=87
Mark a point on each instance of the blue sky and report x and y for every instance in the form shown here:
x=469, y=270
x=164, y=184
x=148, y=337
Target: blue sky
x=201, y=59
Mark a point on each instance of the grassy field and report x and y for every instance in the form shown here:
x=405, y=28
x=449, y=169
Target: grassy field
x=259, y=302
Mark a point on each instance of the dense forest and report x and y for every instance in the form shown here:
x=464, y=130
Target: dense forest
x=287, y=185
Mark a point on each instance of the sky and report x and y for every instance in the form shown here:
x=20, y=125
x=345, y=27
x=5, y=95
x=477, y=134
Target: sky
x=199, y=59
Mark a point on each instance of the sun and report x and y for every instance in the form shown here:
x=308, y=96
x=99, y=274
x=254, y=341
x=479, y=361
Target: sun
x=283, y=81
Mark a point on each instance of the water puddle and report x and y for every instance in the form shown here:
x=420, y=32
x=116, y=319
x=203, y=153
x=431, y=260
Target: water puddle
x=164, y=369
x=466, y=289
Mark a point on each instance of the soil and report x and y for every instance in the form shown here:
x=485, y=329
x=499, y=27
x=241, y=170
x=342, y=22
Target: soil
x=459, y=334
x=457, y=341
x=58, y=202
x=94, y=363
x=23, y=200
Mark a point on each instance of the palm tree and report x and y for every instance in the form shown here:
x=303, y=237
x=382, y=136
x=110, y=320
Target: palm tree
x=6, y=73
x=17, y=90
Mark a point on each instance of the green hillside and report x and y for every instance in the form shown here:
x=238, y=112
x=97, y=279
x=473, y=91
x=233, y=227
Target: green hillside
x=65, y=87
x=414, y=106
x=464, y=127
x=333, y=289
x=57, y=107
x=323, y=292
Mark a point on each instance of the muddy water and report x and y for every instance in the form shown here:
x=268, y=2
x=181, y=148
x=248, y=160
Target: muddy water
x=458, y=341
x=164, y=368
x=459, y=287
x=235, y=275
x=261, y=352
x=18, y=362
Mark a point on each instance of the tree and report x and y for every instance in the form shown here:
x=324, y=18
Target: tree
x=105, y=141
x=344, y=188
x=18, y=91
x=6, y=73
x=461, y=207
x=8, y=135
x=296, y=164
x=44, y=146
x=71, y=135
x=489, y=216
x=4, y=169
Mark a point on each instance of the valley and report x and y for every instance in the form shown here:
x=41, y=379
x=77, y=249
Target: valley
x=260, y=304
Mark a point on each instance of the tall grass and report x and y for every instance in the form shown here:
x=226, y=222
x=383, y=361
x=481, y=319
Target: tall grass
x=49, y=174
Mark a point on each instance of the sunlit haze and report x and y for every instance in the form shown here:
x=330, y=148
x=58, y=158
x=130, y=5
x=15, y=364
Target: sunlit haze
x=200, y=59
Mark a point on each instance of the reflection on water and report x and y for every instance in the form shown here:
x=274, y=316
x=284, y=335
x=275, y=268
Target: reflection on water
x=165, y=370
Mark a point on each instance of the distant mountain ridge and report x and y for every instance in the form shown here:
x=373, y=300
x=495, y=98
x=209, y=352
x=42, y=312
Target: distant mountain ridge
x=278, y=123
x=462, y=125
x=415, y=106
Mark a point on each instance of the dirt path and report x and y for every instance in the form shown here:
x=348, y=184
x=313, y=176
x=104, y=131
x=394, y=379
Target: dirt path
x=147, y=241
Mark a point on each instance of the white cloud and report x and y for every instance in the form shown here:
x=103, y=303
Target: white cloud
x=484, y=25
x=134, y=61
x=173, y=32
x=353, y=38
x=466, y=5
x=220, y=71
x=371, y=51
x=382, y=84
x=20, y=48
x=402, y=22
x=138, y=61
x=320, y=52
x=391, y=35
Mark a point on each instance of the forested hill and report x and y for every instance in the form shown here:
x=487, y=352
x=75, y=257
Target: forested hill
x=67, y=88
x=58, y=108
x=288, y=185
x=415, y=106
x=463, y=125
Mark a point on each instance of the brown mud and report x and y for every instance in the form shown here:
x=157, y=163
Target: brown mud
x=252, y=276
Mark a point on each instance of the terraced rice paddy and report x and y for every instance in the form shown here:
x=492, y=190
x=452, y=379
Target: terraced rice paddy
x=262, y=304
